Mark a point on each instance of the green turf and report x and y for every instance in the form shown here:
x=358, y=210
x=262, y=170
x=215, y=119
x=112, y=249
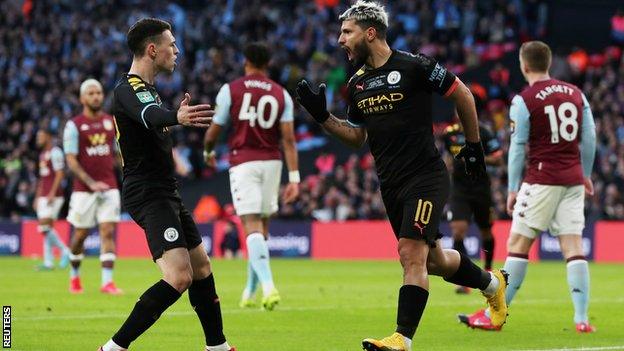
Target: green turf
x=327, y=305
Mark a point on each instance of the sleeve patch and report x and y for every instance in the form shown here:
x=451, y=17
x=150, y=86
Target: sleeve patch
x=145, y=96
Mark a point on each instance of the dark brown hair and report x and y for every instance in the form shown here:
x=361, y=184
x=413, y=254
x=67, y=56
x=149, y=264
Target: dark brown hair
x=147, y=30
x=257, y=53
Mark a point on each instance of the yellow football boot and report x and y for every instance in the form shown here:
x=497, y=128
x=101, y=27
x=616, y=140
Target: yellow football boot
x=497, y=303
x=271, y=300
x=394, y=342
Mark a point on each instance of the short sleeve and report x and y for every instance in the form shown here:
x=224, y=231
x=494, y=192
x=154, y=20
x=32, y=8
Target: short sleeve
x=288, y=114
x=433, y=76
x=223, y=104
x=519, y=115
x=56, y=157
x=70, y=138
x=354, y=117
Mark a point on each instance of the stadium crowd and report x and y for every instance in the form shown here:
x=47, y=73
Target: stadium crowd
x=47, y=48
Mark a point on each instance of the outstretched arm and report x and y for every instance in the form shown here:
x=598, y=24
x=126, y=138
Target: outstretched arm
x=316, y=105
x=143, y=108
x=348, y=133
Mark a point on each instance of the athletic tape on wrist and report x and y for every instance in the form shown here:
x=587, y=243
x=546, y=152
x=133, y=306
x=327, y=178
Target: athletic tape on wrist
x=294, y=177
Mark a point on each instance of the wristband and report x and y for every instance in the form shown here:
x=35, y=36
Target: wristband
x=293, y=177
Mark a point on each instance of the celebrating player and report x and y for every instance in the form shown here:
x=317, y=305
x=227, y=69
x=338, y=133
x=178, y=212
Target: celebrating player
x=253, y=104
x=89, y=143
x=550, y=116
x=150, y=189
x=390, y=107
x=49, y=198
x=469, y=198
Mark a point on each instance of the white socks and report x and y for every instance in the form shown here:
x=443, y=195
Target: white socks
x=493, y=286
x=222, y=347
x=408, y=342
x=111, y=346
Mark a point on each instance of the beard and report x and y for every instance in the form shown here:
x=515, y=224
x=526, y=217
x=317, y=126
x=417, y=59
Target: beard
x=95, y=108
x=361, y=53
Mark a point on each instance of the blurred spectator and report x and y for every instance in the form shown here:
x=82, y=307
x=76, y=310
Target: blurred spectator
x=325, y=162
x=48, y=47
x=617, y=27
x=342, y=192
x=230, y=245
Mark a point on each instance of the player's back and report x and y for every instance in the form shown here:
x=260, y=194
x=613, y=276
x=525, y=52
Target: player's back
x=555, y=115
x=50, y=160
x=257, y=105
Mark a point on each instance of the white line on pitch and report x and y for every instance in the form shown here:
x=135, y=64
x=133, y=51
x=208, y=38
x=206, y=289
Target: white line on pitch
x=296, y=309
x=597, y=348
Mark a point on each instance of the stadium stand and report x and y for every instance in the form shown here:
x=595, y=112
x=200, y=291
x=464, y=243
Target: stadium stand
x=48, y=48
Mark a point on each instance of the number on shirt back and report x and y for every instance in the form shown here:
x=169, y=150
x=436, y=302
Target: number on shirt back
x=256, y=113
x=566, y=113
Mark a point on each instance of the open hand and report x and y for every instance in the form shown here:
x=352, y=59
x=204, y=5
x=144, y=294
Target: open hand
x=314, y=102
x=199, y=116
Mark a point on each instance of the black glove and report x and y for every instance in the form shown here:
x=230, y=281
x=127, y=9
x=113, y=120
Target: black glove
x=313, y=102
x=472, y=153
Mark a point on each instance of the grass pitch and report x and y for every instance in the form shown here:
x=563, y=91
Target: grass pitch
x=326, y=305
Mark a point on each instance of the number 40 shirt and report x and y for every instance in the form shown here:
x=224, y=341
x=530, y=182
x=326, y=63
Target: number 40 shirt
x=255, y=105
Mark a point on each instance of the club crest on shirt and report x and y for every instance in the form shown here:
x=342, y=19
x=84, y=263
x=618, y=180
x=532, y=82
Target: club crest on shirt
x=84, y=127
x=108, y=125
x=394, y=77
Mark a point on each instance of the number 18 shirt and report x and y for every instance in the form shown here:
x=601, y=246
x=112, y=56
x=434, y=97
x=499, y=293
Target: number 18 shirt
x=549, y=116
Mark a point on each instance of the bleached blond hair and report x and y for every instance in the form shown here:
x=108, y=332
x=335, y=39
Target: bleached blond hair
x=367, y=12
x=87, y=83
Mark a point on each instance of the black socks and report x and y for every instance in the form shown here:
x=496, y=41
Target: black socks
x=470, y=275
x=205, y=302
x=412, y=302
x=146, y=312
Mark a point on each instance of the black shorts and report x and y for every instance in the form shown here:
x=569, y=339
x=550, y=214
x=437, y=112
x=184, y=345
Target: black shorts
x=415, y=209
x=476, y=203
x=165, y=220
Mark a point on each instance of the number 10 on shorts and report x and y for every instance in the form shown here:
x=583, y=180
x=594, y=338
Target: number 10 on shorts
x=423, y=211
